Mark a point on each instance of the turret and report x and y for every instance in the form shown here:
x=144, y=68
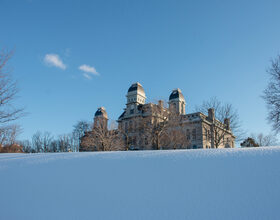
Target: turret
x=177, y=102
x=100, y=118
x=135, y=96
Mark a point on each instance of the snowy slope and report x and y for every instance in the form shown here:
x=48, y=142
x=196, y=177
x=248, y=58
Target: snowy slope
x=181, y=184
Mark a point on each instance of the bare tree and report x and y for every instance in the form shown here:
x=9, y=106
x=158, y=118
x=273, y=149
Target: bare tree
x=106, y=139
x=218, y=134
x=41, y=141
x=174, y=136
x=26, y=146
x=46, y=141
x=124, y=138
x=37, y=142
x=265, y=140
x=223, y=112
x=114, y=137
x=102, y=138
x=8, y=134
x=271, y=94
x=64, y=142
x=54, y=146
x=80, y=128
x=8, y=91
x=164, y=127
x=155, y=125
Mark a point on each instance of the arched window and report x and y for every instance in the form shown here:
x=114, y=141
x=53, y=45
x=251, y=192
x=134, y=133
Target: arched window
x=182, y=107
x=132, y=109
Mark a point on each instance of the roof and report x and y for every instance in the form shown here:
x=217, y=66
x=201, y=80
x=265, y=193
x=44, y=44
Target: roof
x=176, y=94
x=121, y=116
x=136, y=86
x=101, y=112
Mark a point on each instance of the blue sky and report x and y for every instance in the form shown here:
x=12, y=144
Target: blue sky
x=206, y=48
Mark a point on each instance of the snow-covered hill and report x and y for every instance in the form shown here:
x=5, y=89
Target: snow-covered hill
x=181, y=184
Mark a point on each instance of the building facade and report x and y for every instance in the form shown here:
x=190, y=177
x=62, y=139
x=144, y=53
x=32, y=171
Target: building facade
x=143, y=126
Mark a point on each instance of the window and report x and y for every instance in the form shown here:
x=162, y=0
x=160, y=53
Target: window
x=125, y=126
x=206, y=134
x=188, y=134
x=146, y=141
x=130, y=140
x=194, y=134
x=132, y=109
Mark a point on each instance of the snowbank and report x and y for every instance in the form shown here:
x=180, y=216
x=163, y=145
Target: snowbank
x=181, y=184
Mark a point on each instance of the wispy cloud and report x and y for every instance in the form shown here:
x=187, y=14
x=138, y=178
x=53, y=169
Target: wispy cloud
x=54, y=60
x=87, y=76
x=88, y=71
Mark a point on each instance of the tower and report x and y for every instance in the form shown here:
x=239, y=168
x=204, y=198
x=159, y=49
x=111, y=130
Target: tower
x=100, y=118
x=135, y=96
x=177, y=102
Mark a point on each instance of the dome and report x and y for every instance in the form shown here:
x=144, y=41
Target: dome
x=101, y=112
x=136, y=87
x=176, y=94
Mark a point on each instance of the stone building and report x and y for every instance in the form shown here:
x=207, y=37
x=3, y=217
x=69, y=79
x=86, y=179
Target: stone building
x=141, y=121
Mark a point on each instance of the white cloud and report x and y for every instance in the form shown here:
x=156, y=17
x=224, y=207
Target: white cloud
x=88, y=70
x=87, y=76
x=54, y=60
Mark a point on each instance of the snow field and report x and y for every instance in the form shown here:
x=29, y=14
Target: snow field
x=179, y=184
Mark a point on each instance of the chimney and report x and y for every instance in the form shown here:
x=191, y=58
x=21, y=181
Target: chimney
x=227, y=123
x=160, y=103
x=211, y=114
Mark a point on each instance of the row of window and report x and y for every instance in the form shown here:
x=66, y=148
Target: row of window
x=132, y=140
x=134, y=99
x=191, y=135
x=130, y=125
x=133, y=126
x=207, y=134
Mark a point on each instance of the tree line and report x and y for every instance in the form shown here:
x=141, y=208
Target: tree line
x=43, y=142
